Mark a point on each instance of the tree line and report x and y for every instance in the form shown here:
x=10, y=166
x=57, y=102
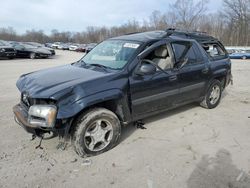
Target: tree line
x=231, y=24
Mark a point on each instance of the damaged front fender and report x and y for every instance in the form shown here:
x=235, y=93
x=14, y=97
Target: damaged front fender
x=69, y=107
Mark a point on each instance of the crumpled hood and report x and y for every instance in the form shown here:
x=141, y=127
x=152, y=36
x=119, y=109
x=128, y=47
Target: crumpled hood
x=58, y=81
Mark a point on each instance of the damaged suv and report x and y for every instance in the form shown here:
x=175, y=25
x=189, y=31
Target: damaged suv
x=122, y=80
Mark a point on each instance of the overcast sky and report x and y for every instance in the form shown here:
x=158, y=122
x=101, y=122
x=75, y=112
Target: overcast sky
x=76, y=15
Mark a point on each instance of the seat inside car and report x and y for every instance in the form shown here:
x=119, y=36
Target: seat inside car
x=162, y=58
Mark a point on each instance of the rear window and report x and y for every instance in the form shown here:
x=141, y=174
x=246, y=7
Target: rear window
x=214, y=51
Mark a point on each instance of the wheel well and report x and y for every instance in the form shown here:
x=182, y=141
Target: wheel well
x=222, y=79
x=111, y=105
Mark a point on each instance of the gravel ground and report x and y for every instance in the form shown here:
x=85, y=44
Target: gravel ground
x=190, y=147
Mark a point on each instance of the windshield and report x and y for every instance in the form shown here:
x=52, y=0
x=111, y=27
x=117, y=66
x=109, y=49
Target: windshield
x=28, y=46
x=2, y=43
x=113, y=54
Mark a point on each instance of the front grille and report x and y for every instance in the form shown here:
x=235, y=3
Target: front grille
x=9, y=50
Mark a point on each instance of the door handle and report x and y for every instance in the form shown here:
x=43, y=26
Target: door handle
x=172, y=78
x=205, y=70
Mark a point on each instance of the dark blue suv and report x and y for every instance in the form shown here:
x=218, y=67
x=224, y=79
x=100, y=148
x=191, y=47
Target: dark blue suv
x=121, y=81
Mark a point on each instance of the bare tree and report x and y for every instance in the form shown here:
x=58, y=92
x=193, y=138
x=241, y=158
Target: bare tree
x=237, y=13
x=158, y=20
x=187, y=13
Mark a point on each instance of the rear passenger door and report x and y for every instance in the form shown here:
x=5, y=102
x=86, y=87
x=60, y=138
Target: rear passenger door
x=193, y=75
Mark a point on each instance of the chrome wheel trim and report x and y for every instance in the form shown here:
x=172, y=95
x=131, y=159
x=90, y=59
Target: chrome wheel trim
x=214, y=95
x=32, y=55
x=98, y=135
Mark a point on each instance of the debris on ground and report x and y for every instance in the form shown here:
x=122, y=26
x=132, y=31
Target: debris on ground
x=86, y=162
x=73, y=161
x=139, y=124
x=239, y=177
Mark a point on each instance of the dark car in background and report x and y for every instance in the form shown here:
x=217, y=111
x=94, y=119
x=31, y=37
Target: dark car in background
x=81, y=48
x=240, y=55
x=36, y=44
x=6, y=51
x=30, y=51
x=90, y=47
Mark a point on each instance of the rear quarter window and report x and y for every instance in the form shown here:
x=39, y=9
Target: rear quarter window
x=214, y=51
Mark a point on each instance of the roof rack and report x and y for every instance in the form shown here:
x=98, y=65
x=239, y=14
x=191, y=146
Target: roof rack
x=197, y=35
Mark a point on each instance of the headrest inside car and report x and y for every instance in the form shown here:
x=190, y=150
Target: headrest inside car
x=161, y=52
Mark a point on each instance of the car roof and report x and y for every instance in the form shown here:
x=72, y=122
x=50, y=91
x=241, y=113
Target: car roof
x=169, y=33
x=142, y=37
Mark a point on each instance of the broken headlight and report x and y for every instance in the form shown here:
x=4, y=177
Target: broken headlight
x=42, y=115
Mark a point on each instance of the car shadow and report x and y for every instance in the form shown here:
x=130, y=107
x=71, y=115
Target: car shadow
x=218, y=171
x=129, y=129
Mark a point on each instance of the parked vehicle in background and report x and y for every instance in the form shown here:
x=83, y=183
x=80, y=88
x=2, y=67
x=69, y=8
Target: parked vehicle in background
x=30, y=51
x=63, y=46
x=36, y=44
x=81, y=48
x=90, y=47
x=56, y=44
x=48, y=44
x=230, y=51
x=6, y=51
x=240, y=55
x=73, y=47
x=121, y=81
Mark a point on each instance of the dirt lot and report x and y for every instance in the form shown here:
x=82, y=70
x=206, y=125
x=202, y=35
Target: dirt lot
x=189, y=147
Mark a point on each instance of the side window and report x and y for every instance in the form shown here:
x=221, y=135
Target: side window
x=188, y=50
x=214, y=51
x=161, y=57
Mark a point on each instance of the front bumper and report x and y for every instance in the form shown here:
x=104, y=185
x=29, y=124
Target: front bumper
x=8, y=54
x=21, y=117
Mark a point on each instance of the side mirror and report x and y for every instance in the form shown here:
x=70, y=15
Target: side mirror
x=146, y=69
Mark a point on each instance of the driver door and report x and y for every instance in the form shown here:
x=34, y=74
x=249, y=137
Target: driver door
x=154, y=92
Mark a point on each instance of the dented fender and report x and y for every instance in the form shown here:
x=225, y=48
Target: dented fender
x=69, y=107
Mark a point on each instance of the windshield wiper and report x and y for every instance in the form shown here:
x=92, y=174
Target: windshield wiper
x=99, y=65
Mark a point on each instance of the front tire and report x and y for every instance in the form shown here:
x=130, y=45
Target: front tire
x=213, y=95
x=96, y=131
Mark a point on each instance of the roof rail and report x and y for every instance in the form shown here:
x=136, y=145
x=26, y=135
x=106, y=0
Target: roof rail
x=132, y=33
x=198, y=35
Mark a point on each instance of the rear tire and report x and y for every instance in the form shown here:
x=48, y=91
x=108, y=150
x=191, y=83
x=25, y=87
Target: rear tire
x=213, y=95
x=244, y=57
x=96, y=131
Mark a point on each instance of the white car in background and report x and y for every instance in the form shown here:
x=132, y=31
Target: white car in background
x=56, y=44
x=73, y=47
